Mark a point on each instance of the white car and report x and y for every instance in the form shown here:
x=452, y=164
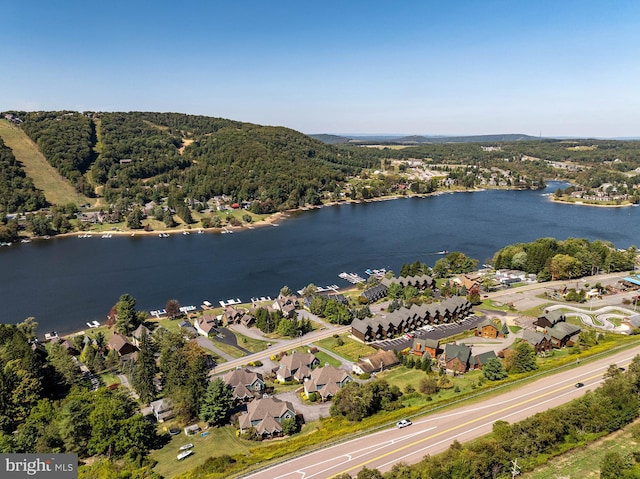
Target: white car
x=403, y=423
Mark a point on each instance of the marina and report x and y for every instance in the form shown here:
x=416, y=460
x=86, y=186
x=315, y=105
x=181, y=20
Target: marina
x=353, y=278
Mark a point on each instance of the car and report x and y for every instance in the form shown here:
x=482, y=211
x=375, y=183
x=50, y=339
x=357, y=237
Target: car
x=579, y=385
x=621, y=369
x=409, y=336
x=403, y=423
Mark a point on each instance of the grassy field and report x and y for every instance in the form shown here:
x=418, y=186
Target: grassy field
x=584, y=463
x=251, y=344
x=350, y=350
x=57, y=190
x=219, y=441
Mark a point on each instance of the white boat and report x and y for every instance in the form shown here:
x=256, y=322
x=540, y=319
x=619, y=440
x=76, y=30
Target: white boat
x=186, y=447
x=184, y=454
x=185, y=233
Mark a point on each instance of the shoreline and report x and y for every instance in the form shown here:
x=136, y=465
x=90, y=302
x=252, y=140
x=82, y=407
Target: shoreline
x=581, y=203
x=268, y=221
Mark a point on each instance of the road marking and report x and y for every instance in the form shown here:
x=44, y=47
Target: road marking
x=472, y=421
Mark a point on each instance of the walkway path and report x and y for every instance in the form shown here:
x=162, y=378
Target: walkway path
x=125, y=383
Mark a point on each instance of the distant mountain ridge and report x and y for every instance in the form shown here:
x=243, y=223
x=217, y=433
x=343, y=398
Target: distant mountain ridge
x=420, y=139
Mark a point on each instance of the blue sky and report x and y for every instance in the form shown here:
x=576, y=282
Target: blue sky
x=556, y=68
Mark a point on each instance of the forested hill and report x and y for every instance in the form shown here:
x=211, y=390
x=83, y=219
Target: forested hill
x=137, y=157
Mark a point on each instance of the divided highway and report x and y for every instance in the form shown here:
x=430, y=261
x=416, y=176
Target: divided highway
x=434, y=433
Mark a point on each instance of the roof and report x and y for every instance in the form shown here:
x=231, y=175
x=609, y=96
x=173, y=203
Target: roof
x=296, y=360
x=118, y=342
x=140, y=330
x=381, y=359
x=266, y=411
x=487, y=322
x=426, y=343
x=326, y=380
x=460, y=351
x=562, y=330
x=241, y=376
x=482, y=358
x=533, y=337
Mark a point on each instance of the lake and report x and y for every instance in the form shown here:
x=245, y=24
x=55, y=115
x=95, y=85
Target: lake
x=65, y=282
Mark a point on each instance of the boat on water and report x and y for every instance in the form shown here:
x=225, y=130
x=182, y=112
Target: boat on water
x=444, y=251
x=163, y=235
x=93, y=324
x=185, y=233
x=26, y=240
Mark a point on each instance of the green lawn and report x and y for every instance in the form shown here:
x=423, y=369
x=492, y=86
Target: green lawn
x=350, y=349
x=251, y=344
x=219, y=441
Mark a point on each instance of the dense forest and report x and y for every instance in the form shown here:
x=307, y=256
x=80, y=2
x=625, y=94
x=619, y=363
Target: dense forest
x=180, y=162
x=551, y=259
x=139, y=157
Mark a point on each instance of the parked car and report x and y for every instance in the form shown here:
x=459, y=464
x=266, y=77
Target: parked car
x=403, y=423
x=409, y=336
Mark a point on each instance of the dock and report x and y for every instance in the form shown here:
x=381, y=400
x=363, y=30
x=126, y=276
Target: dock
x=352, y=278
x=229, y=302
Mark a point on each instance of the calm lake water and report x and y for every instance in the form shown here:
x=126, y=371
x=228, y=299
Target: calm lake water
x=66, y=282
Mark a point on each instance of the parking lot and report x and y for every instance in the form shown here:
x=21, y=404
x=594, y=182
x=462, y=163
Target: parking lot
x=439, y=331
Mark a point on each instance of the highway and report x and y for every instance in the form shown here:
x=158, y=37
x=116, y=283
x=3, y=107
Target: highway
x=434, y=433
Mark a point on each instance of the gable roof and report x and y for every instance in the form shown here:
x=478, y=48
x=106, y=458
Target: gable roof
x=119, y=342
x=562, y=330
x=296, y=360
x=482, y=358
x=140, y=330
x=264, y=414
x=326, y=381
x=459, y=351
x=533, y=337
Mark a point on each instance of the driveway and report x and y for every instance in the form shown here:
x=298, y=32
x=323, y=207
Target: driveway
x=310, y=411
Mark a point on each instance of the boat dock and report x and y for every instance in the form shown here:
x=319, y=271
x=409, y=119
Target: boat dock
x=229, y=302
x=352, y=278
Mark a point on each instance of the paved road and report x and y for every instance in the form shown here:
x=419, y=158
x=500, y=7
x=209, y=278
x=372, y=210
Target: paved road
x=434, y=433
x=285, y=346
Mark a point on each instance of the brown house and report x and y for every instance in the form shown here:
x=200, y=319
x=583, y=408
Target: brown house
x=488, y=329
x=456, y=357
x=538, y=341
x=246, y=384
x=425, y=346
x=376, y=362
x=121, y=344
x=549, y=319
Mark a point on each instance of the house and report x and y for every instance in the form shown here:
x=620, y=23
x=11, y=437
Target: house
x=206, y=324
x=456, y=358
x=549, y=319
x=121, y=344
x=376, y=362
x=136, y=336
x=469, y=282
x=162, y=409
x=425, y=346
x=326, y=381
x=232, y=315
x=287, y=305
x=539, y=342
x=266, y=416
x=489, y=329
x=69, y=347
x=375, y=293
x=562, y=334
x=248, y=320
x=246, y=384
x=188, y=329
x=296, y=366
x=383, y=326
x=479, y=360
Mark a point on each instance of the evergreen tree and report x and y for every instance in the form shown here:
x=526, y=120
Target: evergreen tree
x=217, y=403
x=493, y=370
x=127, y=317
x=145, y=370
x=524, y=359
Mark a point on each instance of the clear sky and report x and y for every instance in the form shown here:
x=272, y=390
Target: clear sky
x=556, y=68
